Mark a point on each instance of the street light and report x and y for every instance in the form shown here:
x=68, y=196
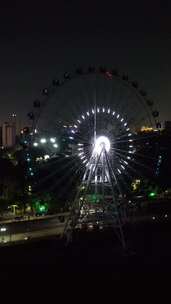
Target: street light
x=13, y=207
x=3, y=230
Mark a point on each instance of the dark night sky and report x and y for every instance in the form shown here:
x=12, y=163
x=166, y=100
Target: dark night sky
x=37, y=41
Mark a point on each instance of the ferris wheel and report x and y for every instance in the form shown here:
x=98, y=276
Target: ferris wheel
x=93, y=117
x=88, y=103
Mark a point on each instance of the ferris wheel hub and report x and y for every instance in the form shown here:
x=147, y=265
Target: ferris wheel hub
x=101, y=142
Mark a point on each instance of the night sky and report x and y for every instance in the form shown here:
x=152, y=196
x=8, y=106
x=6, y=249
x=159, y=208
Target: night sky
x=40, y=40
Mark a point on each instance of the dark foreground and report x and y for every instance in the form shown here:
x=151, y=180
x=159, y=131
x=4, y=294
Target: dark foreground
x=94, y=256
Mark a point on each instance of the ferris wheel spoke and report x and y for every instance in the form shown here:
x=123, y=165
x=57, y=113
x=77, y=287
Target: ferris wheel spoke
x=71, y=173
x=133, y=161
x=132, y=153
x=54, y=172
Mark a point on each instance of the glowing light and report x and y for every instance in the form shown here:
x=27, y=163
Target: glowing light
x=125, y=162
x=127, y=129
x=136, y=184
x=72, y=131
x=130, y=140
x=146, y=129
x=130, y=134
x=3, y=229
x=131, y=146
x=152, y=194
x=28, y=159
x=92, y=111
x=52, y=140
x=108, y=111
x=79, y=121
x=103, y=110
x=80, y=154
x=98, y=110
x=102, y=142
x=75, y=126
x=118, y=116
x=43, y=140
x=80, y=144
x=128, y=157
x=46, y=156
x=119, y=171
x=55, y=145
x=80, y=149
x=123, y=167
x=113, y=113
x=70, y=137
x=88, y=114
x=35, y=131
x=84, y=161
x=122, y=119
x=125, y=124
x=83, y=117
x=42, y=208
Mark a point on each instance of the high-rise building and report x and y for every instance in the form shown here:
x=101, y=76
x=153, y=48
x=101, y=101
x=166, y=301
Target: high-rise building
x=14, y=119
x=8, y=134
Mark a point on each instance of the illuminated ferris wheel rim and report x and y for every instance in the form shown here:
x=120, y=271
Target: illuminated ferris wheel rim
x=101, y=138
x=98, y=110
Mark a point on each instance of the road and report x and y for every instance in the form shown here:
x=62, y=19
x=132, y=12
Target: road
x=24, y=230
x=51, y=225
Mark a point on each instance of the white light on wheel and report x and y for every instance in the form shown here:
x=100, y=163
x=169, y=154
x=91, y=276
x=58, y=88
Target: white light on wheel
x=55, y=146
x=43, y=140
x=35, y=144
x=52, y=140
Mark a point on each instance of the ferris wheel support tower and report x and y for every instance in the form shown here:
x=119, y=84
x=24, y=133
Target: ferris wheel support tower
x=99, y=180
